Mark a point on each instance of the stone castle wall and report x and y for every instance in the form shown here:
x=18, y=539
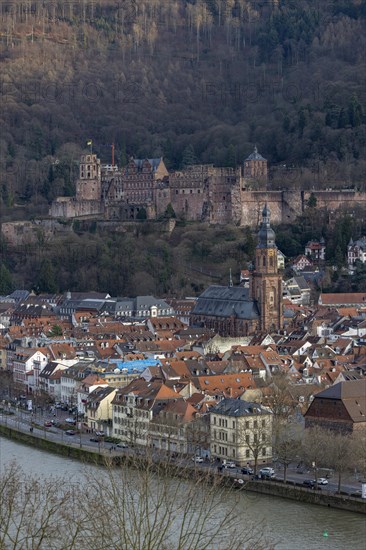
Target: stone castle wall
x=32, y=232
x=70, y=207
x=252, y=203
x=285, y=206
x=334, y=200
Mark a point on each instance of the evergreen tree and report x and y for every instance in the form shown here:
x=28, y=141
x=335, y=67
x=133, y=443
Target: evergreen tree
x=231, y=156
x=188, y=156
x=169, y=211
x=6, y=282
x=141, y=215
x=342, y=119
x=46, y=281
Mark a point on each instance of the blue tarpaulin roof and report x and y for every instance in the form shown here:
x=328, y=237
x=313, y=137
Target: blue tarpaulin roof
x=133, y=366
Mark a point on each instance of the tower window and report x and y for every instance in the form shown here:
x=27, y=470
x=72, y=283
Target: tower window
x=264, y=261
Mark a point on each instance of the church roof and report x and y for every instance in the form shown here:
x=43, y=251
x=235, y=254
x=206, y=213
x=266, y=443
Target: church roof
x=224, y=301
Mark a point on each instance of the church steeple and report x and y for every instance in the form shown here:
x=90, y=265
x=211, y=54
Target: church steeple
x=266, y=287
x=266, y=235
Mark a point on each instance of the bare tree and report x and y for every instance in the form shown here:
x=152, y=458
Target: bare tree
x=314, y=450
x=360, y=454
x=255, y=434
x=37, y=514
x=147, y=509
x=143, y=508
x=342, y=454
x=280, y=400
x=287, y=448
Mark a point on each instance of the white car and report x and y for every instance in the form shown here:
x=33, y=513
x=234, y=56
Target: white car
x=267, y=472
x=322, y=481
x=197, y=459
x=230, y=465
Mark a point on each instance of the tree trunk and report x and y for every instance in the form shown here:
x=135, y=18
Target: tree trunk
x=339, y=481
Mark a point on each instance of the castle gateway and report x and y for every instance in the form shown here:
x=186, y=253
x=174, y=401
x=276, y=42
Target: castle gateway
x=238, y=311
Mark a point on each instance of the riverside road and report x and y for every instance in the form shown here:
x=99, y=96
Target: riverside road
x=23, y=420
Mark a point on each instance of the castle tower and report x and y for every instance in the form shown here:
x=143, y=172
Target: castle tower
x=266, y=283
x=255, y=167
x=89, y=184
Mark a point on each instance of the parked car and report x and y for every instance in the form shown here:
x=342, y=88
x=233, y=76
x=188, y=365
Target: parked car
x=95, y=439
x=70, y=432
x=197, y=459
x=230, y=465
x=322, y=481
x=267, y=473
x=309, y=483
x=48, y=424
x=247, y=470
x=99, y=434
x=122, y=445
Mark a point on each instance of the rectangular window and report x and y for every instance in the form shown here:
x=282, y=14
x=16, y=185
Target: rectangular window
x=264, y=450
x=247, y=424
x=263, y=423
x=247, y=453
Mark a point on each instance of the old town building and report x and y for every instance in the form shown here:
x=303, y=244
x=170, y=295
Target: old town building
x=342, y=407
x=241, y=431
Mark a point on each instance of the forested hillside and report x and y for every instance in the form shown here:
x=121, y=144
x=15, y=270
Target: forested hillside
x=144, y=258
x=192, y=81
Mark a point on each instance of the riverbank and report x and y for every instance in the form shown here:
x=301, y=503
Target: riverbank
x=103, y=457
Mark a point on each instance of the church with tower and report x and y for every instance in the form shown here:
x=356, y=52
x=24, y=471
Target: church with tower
x=240, y=311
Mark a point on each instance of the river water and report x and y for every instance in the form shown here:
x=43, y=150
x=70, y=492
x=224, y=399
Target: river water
x=295, y=526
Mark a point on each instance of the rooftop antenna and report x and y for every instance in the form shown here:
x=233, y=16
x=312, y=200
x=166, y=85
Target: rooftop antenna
x=231, y=279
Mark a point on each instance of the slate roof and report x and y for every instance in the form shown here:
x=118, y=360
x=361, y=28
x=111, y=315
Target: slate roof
x=19, y=295
x=345, y=390
x=223, y=301
x=238, y=407
x=142, y=303
x=154, y=163
x=255, y=155
x=301, y=283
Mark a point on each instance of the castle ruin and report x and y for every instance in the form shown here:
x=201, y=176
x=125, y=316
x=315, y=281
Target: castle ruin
x=144, y=188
